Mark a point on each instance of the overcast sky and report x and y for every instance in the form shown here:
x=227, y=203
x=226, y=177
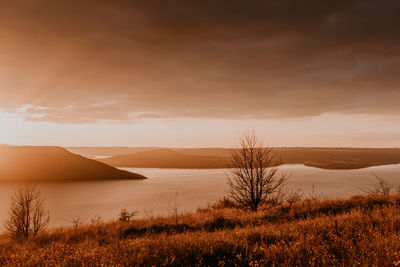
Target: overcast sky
x=200, y=73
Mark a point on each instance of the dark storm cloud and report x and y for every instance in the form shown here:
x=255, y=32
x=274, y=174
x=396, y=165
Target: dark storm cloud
x=84, y=61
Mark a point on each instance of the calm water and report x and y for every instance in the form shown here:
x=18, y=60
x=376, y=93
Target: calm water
x=194, y=188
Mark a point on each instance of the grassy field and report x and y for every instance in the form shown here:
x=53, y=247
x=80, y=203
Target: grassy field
x=362, y=230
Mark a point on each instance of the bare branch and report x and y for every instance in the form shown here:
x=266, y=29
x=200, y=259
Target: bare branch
x=255, y=176
x=381, y=188
x=27, y=214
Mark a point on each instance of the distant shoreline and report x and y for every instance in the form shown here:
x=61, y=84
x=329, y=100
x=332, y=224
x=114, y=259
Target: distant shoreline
x=289, y=164
x=219, y=158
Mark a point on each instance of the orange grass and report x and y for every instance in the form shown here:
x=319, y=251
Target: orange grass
x=363, y=230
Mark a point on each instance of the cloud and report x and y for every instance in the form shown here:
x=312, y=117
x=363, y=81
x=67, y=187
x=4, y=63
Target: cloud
x=87, y=61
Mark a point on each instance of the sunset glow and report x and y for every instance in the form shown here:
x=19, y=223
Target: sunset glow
x=130, y=74
x=199, y=133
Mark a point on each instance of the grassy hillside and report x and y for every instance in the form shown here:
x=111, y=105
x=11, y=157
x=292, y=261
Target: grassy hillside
x=328, y=158
x=19, y=163
x=363, y=230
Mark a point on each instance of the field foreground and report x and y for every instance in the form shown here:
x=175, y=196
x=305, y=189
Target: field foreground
x=362, y=230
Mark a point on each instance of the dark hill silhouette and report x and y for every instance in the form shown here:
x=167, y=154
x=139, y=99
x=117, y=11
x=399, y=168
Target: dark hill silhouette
x=327, y=158
x=166, y=158
x=25, y=163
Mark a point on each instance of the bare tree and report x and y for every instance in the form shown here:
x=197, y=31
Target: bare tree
x=381, y=188
x=27, y=215
x=255, y=176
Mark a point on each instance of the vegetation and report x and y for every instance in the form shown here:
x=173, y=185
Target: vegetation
x=255, y=178
x=126, y=216
x=381, y=188
x=362, y=230
x=28, y=215
x=200, y=158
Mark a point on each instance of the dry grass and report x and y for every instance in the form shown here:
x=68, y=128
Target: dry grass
x=362, y=230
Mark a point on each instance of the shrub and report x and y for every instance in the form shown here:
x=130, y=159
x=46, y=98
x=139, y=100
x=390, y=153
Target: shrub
x=27, y=215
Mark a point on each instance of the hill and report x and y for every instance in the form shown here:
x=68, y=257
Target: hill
x=166, y=158
x=30, y=163
x=362, y=230
x=340, y=158
x=327, y=158
x=93, y=152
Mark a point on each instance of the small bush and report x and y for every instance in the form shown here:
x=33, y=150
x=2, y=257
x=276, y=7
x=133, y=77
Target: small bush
x=127, y=216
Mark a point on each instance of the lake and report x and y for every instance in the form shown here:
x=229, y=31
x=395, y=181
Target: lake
x=191, y=188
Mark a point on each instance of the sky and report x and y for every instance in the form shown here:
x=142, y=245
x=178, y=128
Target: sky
x=200, y=73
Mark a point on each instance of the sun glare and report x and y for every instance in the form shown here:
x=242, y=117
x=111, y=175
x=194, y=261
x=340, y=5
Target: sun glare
x=10, y=127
